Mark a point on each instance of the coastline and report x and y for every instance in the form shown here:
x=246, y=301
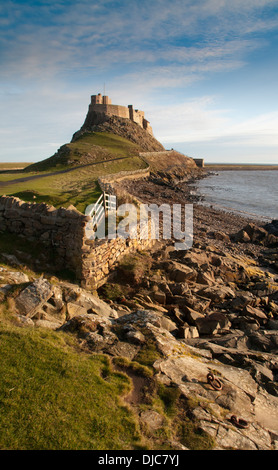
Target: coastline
x=225, y=178
x=207, y=218
x=174, y=321
x=238, y=167
x=222, y=294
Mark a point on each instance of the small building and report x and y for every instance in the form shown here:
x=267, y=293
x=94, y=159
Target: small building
x=200, y=162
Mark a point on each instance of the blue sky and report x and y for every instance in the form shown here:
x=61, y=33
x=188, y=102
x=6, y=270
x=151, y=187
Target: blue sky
x=204, y=71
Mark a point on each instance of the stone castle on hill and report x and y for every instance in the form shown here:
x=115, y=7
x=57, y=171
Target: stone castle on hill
x=103, y=105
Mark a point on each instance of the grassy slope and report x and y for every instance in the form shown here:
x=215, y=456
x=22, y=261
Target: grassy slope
x=56, y=396
x=79, y=186
x=89, y=148
x=53, y=396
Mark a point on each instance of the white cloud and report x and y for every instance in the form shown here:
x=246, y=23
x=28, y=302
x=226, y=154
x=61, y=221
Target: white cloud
x=190, y=121
x=56, y=54
x=199, y=121
x=99, y=36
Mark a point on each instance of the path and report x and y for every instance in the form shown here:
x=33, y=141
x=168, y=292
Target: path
x=29, y=178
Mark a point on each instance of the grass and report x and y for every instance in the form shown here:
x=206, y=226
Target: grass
x=55, y=396
x=116, y=145
x=148, y=354
x=13, y=165
x=52, y=396
x=88, y=148
x=91, y=156
x=135, y=266
x=78, y=187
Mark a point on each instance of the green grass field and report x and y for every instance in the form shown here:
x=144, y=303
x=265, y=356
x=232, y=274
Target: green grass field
x=78, y=186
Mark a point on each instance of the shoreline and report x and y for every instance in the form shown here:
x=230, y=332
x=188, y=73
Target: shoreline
x=213, y=171
x=215, y=218
x=210, y=224
x=239, y=167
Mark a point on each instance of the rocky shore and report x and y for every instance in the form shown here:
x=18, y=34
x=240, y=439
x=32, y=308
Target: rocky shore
x=204, y=322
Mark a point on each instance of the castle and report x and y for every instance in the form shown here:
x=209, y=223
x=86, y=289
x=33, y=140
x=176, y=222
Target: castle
x=103, y=105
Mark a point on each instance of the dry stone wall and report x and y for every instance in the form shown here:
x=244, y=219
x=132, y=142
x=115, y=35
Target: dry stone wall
x=103, y=255
x=64, y=231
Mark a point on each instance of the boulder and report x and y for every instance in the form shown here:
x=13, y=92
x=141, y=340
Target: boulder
x=160, y=297
x=256, y=313
x=13, y=277
x=221, y=236
x=152, y=419
x=92, y=304
x=191, y=315
x=187, y=332
x=196, y=260
x=52, y=325
x=181, y=273
x=263, y=341
x=242, y=237
x=211, y=324
x=74, y=309
x=255, y=234
x=217, y=293
x=206, y=278
x=33, y=297
x=141, y=318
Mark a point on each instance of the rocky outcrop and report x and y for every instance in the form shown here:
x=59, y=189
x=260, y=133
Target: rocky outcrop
x=125, y=128
x=212, y=320
x=265, y=235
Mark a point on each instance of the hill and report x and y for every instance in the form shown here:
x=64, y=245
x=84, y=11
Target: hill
x=87, y=148
x=121, y=127
x=113, y=138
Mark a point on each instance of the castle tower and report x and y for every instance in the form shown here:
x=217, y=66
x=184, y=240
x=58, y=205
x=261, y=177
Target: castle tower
x=96, y=99
x=106, y=100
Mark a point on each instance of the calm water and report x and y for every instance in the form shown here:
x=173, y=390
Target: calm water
x=242, y=191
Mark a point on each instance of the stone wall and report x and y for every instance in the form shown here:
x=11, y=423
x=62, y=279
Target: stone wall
x=106, y=181
x=103, y=255
x=63, y=230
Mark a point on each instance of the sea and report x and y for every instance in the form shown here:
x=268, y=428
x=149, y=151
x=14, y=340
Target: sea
x=250, y=193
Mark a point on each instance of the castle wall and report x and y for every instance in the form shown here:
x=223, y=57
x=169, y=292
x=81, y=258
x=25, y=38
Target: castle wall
x=102, y=105
x=110, y=109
